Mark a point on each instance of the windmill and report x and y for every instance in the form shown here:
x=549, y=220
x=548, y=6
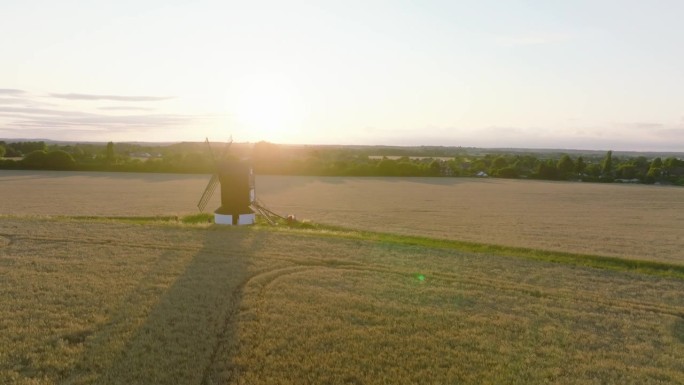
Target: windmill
x=238, y=199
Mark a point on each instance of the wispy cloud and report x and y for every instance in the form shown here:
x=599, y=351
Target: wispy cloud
x=672, y=133
x=40, y=111
x=26, y=116
x=124, y=98
x=129, y=122
x=125, y=108
x=644, y=126
x=5, y=101
x=11, y=91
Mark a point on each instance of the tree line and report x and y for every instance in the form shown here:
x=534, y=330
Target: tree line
x=269, y=158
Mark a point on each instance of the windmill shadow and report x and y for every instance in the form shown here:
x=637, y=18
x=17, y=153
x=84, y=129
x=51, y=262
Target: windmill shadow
x=191, y=330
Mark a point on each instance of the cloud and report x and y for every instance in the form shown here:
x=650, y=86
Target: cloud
x=59, y=123
x=125, y=108
x=76, y=119
x=13, y=101
x=4, y=111
x=19, y=97
x=640, y=126
x=111, y=97
x=671, y=134
x=11, y=91
x=23, y=114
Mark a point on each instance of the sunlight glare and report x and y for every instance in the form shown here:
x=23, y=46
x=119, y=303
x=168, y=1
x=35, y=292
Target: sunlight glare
x=270, y=108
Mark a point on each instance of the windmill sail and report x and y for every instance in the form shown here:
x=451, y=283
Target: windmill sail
x=214, y=181
x=222, y=156
x=239, y=205
x=208, y=192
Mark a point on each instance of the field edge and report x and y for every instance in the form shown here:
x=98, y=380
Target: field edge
x=203, y=221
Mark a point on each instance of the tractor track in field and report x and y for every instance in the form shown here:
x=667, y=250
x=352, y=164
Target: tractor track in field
x=574, y=294
x=484, y=282
x=476, y=279
x=268, y=276
x=5, y=241
x=472, y=278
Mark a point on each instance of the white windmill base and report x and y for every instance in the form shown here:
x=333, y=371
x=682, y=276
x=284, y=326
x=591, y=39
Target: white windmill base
x=243, y=219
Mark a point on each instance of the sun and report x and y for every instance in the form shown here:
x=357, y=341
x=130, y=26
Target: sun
x=270, y=109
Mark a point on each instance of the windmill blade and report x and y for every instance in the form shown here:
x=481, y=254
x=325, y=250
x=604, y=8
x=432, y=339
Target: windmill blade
x=211, y=153
x=208, y=192
x=226, y=148
x=214, y=159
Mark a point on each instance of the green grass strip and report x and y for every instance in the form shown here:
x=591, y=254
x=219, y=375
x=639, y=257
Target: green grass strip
x=585, y=260
x=194, y=219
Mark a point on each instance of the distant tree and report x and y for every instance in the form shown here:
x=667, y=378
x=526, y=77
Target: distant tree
x=654, y=173
x=565, y=166
x=656, y=163
x=593, y=170
x=640, y=162
x=499, y=162
x=22, y=148
x=109, y=153
x=35, y=160
x=404, y=167
x=673, y=162
x=12, y=152
x=580, y=166
x=387, y=167
x=528, y=162
x=507, y=172
x=2, y=150
x=77, y=152
x=59, y=160
x=197, y=163
x=626, y=171
x=607, y=168
x=477, y=166
x=435, y=168
x=547, y=170
x=8, y=164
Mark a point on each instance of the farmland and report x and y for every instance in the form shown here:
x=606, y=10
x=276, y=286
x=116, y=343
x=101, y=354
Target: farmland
x=138, y=300
x=631, y=221
x=108, y=302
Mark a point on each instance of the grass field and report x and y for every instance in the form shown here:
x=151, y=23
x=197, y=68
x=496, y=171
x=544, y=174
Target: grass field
x=123, y=302
x=629, y=221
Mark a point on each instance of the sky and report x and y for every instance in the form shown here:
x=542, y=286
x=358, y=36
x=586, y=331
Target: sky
x=533, y=74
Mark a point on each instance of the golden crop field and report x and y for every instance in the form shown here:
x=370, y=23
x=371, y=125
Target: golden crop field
x=97, y=301
x=630, y=221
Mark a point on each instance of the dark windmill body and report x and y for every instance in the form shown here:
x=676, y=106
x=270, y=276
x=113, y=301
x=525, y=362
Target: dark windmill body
x=237, y=193
x=236, y=179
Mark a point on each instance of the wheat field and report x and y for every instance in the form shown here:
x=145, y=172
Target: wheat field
x=629, y=221
x=109, y=302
